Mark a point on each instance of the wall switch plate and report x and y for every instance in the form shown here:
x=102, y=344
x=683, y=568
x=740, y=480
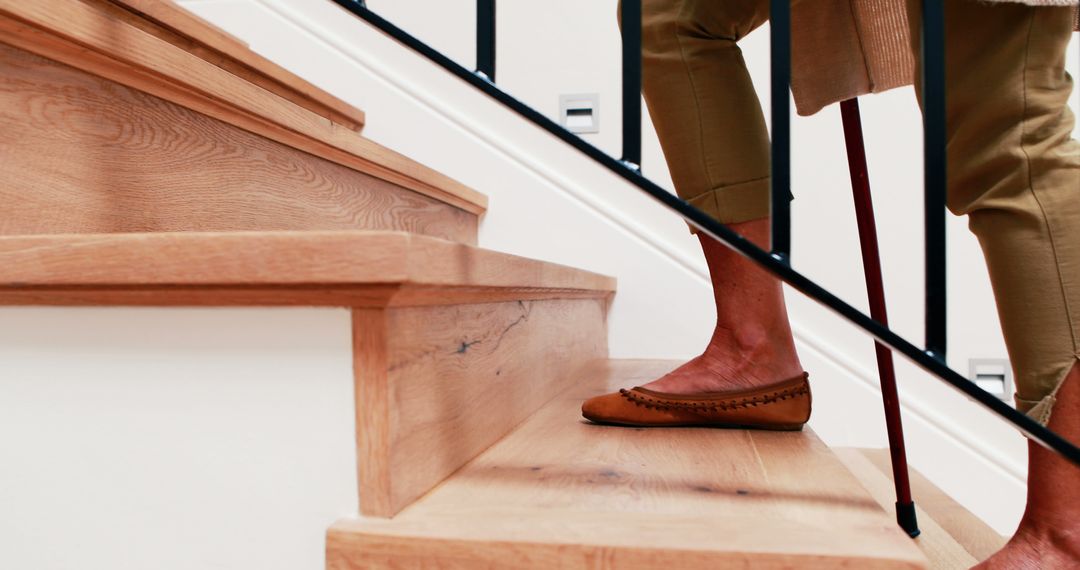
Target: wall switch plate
x=993, y=375
x=580, y=113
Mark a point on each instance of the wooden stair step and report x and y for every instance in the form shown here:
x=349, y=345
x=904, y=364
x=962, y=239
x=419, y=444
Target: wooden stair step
x=339, y=268
x=131, y=115
x=941, y=548
x=171, y=22
x=559, y=492
x=962, y=525
x=453, y=345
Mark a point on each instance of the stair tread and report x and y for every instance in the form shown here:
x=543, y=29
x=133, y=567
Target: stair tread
x=560, y=492
x=237, y=56
x=943, y=551
x=331, y=265
x=107, y=38
x=968, y=530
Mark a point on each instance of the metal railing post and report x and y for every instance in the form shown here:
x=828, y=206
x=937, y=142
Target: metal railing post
x=933, y=95
x=631, y=83
x=780, y=163
x=485, y=39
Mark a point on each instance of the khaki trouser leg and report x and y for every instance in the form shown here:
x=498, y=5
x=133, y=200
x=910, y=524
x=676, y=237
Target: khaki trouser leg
x=1013, y=168
x=704, y=106
x=1015, y=171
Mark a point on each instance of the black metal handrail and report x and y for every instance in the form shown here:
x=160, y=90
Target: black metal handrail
x=777, y=260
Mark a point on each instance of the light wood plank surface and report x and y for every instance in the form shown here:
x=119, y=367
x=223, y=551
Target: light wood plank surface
x=455, y=379
x=348, y=268
x=85, y=155
x=561, y=493
x=373, y=407
x=940, y=548
x=967, y=529
x=180, y=27
x=92, y=36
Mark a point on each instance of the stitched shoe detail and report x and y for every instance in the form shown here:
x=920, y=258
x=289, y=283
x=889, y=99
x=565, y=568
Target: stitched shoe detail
x=641, y=399
x=784, y=405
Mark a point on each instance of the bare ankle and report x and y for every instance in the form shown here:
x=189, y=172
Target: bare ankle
x=1035, y=549
x=754, y=352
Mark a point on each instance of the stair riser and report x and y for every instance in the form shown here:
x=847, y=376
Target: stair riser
x=437, y=385
x=84, y=154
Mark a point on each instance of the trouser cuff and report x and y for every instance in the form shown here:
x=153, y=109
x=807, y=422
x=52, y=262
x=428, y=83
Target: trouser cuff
x=1037, y=410
x=735, y=203
x=1040, y=410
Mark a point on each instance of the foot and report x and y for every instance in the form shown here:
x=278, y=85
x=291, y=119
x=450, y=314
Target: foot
x=734, y=361
x=752, y=344
x=1036, y=551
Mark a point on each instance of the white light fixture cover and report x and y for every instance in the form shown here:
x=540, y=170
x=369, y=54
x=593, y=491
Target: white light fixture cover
x=580, y=113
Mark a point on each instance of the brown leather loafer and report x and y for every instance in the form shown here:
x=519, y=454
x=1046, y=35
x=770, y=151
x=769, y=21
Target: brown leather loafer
x=781, y=406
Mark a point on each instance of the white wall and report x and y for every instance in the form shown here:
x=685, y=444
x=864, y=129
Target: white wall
x=546, y=202
x=173, y=438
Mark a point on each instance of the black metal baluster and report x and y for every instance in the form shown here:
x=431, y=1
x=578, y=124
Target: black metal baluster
x=631, y=83
x=933, y=94
x=780, y=179
x=485, y=39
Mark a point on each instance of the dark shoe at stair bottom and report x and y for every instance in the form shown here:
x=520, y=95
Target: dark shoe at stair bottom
x=781, y=406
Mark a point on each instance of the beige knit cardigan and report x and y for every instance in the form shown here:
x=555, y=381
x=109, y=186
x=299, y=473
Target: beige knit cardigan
x=846, y=48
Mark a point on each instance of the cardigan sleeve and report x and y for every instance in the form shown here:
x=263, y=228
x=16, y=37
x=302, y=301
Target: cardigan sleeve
x=847, y=48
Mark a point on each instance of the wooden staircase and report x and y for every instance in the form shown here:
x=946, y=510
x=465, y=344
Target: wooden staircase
x=151, y=159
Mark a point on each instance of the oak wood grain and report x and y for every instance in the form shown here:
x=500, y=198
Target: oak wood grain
x=942, y=550
x=90, y=36
x=962, y=525
x=274, y=258
x=339, y=268
x=169, y=21
x=562, y=493
x=374, y=407
x=85, y=155
x=457, y=379
x=288, y=295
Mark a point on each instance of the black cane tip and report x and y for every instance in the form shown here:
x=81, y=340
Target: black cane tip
x=906, y=518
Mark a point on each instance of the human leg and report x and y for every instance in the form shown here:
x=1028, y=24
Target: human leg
x=1015, y=171
x=713, y=133
x=1048, y=537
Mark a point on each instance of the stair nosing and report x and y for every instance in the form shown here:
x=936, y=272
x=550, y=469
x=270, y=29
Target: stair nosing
x=400, y=262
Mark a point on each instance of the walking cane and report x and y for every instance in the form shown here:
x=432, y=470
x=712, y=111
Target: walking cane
x=875, y=290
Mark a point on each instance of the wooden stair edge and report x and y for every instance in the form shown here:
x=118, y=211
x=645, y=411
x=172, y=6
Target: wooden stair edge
x=110, y=40
x=230, y=53
x=968, y=530
x=343, y=268
x=559, y=492
x=940, y=547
